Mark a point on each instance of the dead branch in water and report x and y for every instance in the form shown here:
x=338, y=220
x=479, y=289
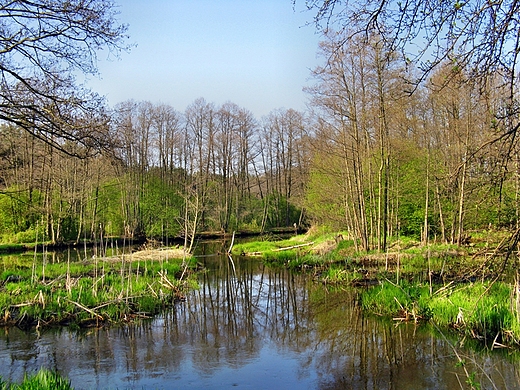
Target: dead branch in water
x=251, y=254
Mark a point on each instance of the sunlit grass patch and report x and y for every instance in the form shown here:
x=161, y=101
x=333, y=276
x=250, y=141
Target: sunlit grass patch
x=403, y=300
x=336, y=274
x=483, y=310
x=479, y=310
x=254, y=247
x=269, y=249
x=42, y=380
x=280, y=257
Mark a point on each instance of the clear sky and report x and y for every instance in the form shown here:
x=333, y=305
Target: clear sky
x=255, y=53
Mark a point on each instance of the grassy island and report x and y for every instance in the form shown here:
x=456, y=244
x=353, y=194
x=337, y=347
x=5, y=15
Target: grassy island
x=92, y=292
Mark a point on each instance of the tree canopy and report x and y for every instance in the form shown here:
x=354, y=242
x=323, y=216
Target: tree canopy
x=483, y=36
x=43, y=45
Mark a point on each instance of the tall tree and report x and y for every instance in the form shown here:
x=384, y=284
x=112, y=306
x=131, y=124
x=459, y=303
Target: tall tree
x=480, y=37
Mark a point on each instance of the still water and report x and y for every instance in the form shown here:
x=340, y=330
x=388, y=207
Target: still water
x=254, y=327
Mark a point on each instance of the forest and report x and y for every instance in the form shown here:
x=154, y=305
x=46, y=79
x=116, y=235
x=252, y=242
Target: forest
x=374, y=155
x=367, y=158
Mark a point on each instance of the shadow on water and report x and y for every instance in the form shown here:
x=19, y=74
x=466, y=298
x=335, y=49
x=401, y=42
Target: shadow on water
x=250, y=326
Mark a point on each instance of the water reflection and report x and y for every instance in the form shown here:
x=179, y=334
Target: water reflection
x=255, y=327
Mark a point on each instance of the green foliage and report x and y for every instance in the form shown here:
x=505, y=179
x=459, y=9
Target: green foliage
x=42, y=380
x=34, y=234
x=160, y=207
x=19, y=216
x=18, y=209
x=324, y=197
x=391, y=299
x=412, y=220
x=107, y=200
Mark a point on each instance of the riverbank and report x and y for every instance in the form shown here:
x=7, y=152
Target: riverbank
x=472, y=290
x=97, y=291
x=16, y=247
x=246, y=319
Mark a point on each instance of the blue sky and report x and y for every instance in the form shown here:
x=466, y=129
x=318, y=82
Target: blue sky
x=255, y=53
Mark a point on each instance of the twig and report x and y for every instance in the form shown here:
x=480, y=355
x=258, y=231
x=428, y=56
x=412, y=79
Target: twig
x=86, y=309
x=442, y=289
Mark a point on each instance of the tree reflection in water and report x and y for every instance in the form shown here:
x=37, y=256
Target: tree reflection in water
x=258, y=327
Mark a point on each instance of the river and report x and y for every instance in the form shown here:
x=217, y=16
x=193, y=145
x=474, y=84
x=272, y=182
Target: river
x=254, y=327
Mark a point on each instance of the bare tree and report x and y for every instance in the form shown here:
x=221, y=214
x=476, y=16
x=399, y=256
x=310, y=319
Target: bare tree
x=43, y=44
x=482, y=38
x=479, y=35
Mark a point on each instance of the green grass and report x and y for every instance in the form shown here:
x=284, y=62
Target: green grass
x=267, y=246
x=298, y=251
x=77, y=293
x=42, y=380
x=337, y=275
x=479, y=310
x=403, y=300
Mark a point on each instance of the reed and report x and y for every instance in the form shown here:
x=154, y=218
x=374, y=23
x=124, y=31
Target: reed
x=482, y=310
x=337, y=275
x=403, y=301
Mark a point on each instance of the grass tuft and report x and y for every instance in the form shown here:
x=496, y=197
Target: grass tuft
x=42, y=380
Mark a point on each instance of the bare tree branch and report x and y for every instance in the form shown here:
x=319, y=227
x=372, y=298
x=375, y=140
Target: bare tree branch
x=43, y=45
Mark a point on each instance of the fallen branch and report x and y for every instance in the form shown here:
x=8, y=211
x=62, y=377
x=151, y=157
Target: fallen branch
x=293, y=247
x=253, y=254
x=86, y=309
x=165, y=282
x=232, y=243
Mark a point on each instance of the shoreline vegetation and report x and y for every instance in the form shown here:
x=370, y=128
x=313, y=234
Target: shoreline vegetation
x=471, y=289
x=42, y=380
x=19, y=247
x=97, y=291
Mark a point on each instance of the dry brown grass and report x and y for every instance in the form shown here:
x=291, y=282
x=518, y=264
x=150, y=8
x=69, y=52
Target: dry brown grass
x=147, y=254
x=158, y=254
